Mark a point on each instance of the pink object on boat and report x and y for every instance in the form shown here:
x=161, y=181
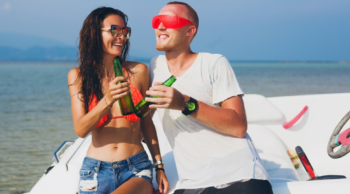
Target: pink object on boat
x=289, y=124
x=344, y=137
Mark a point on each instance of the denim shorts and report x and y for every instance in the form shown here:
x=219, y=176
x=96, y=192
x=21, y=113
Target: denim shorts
x=104, y=177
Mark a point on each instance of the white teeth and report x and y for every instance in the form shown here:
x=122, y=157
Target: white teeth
x=117, y=45
x=162, y=36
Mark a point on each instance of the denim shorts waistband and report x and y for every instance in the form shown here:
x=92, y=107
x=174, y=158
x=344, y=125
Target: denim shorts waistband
x=139, y=157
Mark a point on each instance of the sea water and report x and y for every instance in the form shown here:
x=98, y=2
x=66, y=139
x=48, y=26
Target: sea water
x=35, y=114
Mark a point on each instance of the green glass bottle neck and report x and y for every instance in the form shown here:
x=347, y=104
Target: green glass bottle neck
x=118, y=71
x=117, y=68
x=169, y=81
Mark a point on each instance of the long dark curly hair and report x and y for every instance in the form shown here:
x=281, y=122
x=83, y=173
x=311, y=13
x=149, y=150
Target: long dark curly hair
x=91, y=53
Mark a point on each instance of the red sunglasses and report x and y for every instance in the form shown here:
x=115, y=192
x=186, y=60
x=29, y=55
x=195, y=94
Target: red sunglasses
x=170, y=21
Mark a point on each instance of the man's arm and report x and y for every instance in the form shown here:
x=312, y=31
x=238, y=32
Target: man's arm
x=229, y=119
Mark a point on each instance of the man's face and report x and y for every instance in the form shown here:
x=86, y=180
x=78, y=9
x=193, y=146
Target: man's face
x=171, y=39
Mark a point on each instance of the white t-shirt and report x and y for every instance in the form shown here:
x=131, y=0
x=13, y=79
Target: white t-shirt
x=205, y=157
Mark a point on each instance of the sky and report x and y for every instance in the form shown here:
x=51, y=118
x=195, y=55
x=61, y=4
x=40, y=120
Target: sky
x=302, y=30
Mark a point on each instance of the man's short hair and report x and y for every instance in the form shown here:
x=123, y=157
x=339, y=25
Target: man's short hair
x=192, y=12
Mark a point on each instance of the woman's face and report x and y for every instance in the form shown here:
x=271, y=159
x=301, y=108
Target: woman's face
x=112, y=46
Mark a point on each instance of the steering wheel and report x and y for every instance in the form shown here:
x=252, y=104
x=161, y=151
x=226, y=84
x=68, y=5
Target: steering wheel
x=335, y=141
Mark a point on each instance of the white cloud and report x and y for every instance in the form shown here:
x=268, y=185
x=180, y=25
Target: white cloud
x=6, y=7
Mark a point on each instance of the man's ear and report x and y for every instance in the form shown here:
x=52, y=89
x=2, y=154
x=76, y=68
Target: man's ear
x=191, y=31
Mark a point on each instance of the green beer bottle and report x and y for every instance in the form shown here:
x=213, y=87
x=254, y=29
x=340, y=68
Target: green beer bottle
x=125, y=103
x=142, y=108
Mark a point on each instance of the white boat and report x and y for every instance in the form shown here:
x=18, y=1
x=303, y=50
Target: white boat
x=266, y=117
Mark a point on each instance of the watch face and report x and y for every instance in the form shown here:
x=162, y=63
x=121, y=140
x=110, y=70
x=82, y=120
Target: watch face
x=191, y=106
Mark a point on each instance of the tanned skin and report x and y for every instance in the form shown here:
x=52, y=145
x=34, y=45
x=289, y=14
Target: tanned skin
x=119, y=138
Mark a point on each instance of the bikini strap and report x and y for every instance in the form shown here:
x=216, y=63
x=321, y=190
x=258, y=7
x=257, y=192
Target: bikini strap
x=126, y=74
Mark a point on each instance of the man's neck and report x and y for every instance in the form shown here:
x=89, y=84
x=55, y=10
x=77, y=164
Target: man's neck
x=180, y=61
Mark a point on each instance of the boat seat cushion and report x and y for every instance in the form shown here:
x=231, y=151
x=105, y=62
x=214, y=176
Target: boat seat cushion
x=260, y=110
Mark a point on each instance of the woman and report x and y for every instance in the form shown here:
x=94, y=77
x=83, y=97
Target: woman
x=115, y=161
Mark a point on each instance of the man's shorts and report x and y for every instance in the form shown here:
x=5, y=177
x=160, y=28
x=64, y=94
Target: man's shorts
x=252, y=186
x=104, y=177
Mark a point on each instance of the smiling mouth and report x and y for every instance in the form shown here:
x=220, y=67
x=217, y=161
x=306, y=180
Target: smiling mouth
x=118, y=45
x=163, y=36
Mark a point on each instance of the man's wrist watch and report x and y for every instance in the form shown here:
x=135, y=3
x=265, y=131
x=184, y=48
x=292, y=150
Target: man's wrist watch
x=190, y=106
x=158, y=162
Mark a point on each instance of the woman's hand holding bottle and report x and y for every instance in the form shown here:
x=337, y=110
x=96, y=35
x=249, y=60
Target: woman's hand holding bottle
x=116, y=91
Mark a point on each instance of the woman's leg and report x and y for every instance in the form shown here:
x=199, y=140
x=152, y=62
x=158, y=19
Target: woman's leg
x=135, y=185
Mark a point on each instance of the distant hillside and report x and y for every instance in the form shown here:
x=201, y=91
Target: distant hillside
x=55, y=54
x=22, y=47
x=38, y=54
x=24, y=41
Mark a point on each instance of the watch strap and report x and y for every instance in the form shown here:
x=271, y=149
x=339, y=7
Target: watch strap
x=160, y=169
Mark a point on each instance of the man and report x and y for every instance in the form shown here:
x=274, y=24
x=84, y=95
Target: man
x=202, y=113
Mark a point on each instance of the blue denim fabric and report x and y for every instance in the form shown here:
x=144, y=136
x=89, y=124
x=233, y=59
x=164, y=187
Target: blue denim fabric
x=104, y=177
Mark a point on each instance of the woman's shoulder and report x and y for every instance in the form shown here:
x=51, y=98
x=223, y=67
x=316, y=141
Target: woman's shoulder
x=138, y=68
x=73, y=75
x=137, y=65
x=74, y=71
x=140, y=74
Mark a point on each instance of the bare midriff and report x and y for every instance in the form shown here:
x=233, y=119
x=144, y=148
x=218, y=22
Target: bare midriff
x=117, y=140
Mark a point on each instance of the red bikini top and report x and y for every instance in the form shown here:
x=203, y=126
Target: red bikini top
x=136, y=98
